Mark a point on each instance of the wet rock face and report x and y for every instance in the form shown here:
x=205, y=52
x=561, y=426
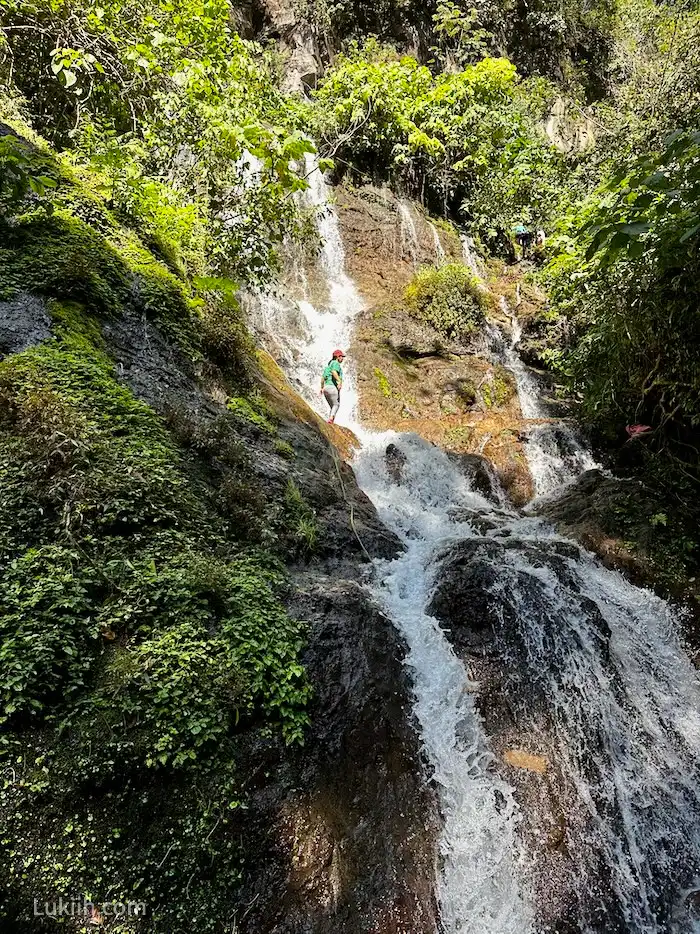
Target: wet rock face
x=345, y=835
x=395, y=461
x=24, y=322
x=494, y=598
x=388, y=240
x=604, y=513
x=480, y=474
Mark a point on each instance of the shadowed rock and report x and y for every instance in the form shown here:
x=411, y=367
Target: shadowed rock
x=24, y=322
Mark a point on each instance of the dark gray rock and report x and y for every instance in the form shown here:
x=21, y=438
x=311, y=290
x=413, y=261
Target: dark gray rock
x=395, y=461
x=515, y=613
x=346, y=832
x=480, y=473
x=24, y=322
x=156, y=371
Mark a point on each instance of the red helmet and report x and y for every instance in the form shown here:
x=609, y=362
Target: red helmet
x=338, y=353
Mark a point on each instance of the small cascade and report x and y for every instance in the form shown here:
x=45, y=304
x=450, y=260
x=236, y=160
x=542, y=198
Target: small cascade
x=555, y=455
x=408, y=234
x=470, y=258
x=310, y=333
x=439, y=249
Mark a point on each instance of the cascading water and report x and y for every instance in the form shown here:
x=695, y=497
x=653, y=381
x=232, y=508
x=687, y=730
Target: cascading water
x=407, y=233
x=587, y=653
x=469, y=256
x=479, y=892
x=555, y=455
x=478, y=886
x=439, y=249
x=311, y=333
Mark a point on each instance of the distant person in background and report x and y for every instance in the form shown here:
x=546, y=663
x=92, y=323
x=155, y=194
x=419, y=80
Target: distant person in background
x=540, y=238
x=332, y=383
x=524, y=238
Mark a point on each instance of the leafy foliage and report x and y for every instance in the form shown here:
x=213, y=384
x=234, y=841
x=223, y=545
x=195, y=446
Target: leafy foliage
x=175, y=117
x=630, y=286
x=449, y=298
x=468, y=140
x=20, y=174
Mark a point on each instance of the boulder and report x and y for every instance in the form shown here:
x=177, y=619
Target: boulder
x=480, y=473
x=395, y=461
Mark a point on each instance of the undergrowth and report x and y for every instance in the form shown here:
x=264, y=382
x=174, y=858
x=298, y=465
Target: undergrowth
x=141, y=627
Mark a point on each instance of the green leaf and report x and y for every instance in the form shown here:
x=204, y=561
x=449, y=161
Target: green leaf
x=635, y=230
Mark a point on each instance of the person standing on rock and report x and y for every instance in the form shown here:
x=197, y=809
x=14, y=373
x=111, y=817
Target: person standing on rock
x=332, y=383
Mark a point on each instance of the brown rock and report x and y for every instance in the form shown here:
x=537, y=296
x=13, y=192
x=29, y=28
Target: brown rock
x=520, y=759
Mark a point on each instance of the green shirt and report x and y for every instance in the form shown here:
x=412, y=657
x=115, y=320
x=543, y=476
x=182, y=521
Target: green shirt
x=333, y=367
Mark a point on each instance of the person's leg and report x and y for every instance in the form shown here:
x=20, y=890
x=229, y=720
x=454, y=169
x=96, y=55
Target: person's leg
x=332, y=397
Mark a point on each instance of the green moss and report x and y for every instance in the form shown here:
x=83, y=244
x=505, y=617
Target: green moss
x=252, y=409
x=62, y=257
x=77, y=330
x=467, y=392
x=499, y=390
x=284, y=449
x=383, y=383
x=460, y=435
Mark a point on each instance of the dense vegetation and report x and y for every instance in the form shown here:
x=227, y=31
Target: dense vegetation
x=141, y=628
x=466, y=142
x=148, y=162
x=448, y=298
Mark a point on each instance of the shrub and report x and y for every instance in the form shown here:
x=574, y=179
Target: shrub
x=300, y=526
x=179, y=689
x=448, y=298
x=48, y=628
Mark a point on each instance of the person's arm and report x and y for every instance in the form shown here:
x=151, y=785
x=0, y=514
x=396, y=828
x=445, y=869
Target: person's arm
x=338, y=379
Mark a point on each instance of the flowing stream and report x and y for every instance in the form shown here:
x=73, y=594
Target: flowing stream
x=594, y=657
x=555, y=455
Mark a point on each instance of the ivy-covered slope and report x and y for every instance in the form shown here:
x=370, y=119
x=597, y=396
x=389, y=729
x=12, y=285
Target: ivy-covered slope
x=155, y=483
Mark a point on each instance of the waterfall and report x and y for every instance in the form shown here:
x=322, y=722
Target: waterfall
x=478, y=880
x=310, y=334
x=585, y=651
x=407, y=233
x=469, y=256
x=439, y=249
x=554, y=453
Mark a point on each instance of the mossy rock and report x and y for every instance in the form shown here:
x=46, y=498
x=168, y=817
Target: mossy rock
x=448, y=298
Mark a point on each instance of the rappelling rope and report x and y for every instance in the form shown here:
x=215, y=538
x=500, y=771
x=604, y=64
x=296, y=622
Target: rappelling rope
x=334, y=455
